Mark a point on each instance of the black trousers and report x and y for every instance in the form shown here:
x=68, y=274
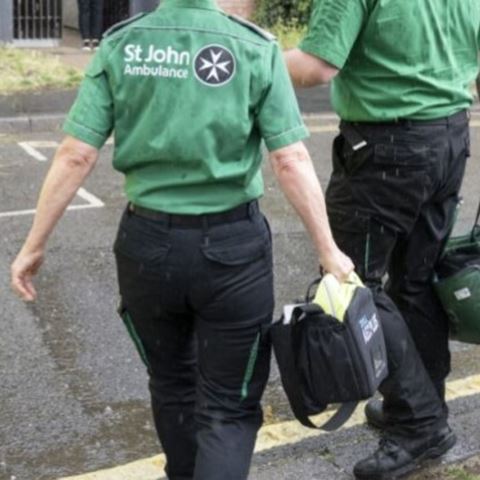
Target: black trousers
x=197, y=300
x=90, y=19
x=391, y=204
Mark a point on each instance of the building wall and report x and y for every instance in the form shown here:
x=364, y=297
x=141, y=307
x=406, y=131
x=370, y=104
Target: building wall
x=70, y=13
x=238, y=7
x=6, y=27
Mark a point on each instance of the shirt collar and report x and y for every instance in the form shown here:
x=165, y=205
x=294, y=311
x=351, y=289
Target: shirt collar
x=202, y=4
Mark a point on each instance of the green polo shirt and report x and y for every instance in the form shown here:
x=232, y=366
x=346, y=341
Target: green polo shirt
x=398, y=58
x=190, y=94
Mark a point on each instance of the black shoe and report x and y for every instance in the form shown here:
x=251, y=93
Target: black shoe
x=396, y=457
x=374, y=414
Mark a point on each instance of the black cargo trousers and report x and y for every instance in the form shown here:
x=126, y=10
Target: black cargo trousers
x=391, y=204
x=197, y=298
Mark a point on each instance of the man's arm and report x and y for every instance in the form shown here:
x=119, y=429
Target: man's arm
x=73, y=161
x=308, y=70
x=294, y=171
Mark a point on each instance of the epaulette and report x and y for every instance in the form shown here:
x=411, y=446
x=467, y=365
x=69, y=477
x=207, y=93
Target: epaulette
x=123, y=23
x=252, y=26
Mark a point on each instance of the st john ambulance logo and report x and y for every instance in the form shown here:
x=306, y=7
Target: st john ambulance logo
x=214, y=65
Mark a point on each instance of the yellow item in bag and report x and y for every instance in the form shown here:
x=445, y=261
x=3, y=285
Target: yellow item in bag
x=334, y=297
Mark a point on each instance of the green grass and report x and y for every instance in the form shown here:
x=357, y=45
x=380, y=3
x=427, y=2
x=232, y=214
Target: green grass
x=33, y=71
x=458, y=473
x=27, y=70
x=288, y=37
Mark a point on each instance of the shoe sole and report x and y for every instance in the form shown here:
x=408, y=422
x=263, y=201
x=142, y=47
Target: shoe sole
x=431, y=454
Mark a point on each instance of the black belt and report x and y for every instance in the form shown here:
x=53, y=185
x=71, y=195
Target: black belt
x=242, y=212
x=460, y=117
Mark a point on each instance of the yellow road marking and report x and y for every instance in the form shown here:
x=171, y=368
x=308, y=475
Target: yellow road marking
x=270, y=436
x=323, y=129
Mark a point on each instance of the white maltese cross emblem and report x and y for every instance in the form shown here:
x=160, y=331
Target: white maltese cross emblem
x=214, y=65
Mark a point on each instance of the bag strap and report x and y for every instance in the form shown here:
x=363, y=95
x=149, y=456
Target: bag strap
x=477, y=218
x=476, y=225
x=452, y=226
x=310, y=290
x=343, y=413
x=341, y=416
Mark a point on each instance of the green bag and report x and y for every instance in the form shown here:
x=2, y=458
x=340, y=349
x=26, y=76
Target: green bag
x=457, y=284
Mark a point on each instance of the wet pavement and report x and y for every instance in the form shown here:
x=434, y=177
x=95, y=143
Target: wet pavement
x=74, y=397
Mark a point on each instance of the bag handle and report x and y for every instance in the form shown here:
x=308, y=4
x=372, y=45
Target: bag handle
x=311, y=290
x=340, y=417
x=477, y=218
x=452, y=226
x=353, y=278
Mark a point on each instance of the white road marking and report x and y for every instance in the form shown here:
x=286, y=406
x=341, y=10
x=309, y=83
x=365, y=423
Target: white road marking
x=323, y=129
x=17, y=213
x=44, y=144
x=321, y=116
x=31, y=149
x=21, y=213
x=93, y=201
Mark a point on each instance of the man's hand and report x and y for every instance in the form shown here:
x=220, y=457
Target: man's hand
x=338, y=264
x=23, y=269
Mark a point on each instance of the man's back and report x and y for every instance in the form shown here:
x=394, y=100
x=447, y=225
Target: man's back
x=186, y=68
x=191, y=93
x=399, y=58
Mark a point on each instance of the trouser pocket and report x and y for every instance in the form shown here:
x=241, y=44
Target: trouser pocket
x=132, y=332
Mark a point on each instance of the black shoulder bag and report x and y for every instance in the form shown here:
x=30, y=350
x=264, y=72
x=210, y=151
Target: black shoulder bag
x=457, y=284
x=323, y=360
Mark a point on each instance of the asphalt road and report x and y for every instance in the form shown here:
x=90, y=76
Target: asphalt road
x=74, y=396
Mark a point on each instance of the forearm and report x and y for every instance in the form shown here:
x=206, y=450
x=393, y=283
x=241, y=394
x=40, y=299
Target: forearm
x=67, y=173
x=307, y=70
x=298, y=180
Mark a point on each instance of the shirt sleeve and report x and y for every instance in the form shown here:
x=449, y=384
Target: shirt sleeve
x=278, y=118
x=333, y=29
x=91, y=117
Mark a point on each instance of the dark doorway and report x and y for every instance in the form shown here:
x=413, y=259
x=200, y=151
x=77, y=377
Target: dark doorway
x=115, y=11
x=37, y=19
